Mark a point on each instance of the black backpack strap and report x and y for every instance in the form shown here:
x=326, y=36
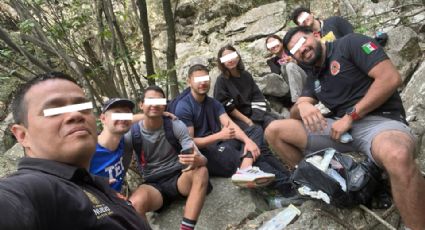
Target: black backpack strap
x=169, y=134
x=171, y=105
x=128, y=151
x=136, y=139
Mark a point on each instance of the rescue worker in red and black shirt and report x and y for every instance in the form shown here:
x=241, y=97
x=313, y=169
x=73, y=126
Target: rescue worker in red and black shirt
x=357, y=81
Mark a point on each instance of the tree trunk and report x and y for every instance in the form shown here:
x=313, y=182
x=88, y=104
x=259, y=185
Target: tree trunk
x=5, y=37
x=144, y=27
x=171, y=48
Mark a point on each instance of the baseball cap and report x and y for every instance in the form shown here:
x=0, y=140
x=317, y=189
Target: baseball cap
x=117, y=101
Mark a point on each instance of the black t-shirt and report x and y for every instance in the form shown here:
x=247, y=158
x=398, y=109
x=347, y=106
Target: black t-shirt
x=44, y=194
x=336, y=25
x=344, y=79
x=241, y=93
x=274, y=65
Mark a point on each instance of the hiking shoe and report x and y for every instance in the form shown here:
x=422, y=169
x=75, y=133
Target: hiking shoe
x=252, y=177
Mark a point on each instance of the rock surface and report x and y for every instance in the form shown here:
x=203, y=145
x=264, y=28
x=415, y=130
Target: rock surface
x=225, y=206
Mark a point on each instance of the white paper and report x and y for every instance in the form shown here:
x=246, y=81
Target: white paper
x=67, y=109
x=282, y=219
x=320, y=195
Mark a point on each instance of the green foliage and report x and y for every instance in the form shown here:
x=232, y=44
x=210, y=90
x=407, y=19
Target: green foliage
x=99, y=126
x=360, y=29
x=26, y=26
x=106, y=33
x=7, y=53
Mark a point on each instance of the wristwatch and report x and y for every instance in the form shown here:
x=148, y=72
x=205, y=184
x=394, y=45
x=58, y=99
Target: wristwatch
x=353, y=113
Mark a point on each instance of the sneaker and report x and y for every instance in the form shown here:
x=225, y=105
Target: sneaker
x=252, y=177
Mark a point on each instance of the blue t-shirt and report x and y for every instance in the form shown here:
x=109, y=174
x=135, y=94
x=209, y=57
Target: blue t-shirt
x=109, y=164
x=193, y=114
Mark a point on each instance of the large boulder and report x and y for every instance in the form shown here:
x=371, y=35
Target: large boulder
x=226, y=205
x=258, y=22
x=413, y=95
x=6, y=136
x=324, y=8
x=9, y=160
x=403, y=49
x=273, y=85
x=413, y=98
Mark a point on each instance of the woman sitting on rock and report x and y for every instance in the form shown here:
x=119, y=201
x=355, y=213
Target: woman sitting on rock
x=243, y=101
x=286, y=66
x=236, y=90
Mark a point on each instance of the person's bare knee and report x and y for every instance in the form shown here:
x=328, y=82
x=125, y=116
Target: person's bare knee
x=394, y=151
x=145, y=199
x=195, y=177
x=200, y=175
x=271, y=130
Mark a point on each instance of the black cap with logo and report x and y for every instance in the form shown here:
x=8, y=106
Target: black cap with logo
x=117, y=101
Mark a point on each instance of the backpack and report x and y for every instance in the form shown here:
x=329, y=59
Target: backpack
x=136, y=138
x=360, y=179
x=128, y=153
x=171, y=105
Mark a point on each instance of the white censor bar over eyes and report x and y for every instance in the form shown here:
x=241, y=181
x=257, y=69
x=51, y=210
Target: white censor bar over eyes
x=272, y=44
x=302, y=17
x=202, y=78
x=122, y=116
x=298, y=45
x=155, y=101
x=67, y=109
x=228, y=57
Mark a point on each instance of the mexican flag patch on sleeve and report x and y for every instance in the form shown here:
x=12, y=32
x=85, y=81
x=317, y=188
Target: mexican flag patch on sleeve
x=369, y=47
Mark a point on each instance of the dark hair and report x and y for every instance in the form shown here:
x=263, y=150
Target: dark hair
x=19, y=105
x=291, y=32
x=295, y=13
x=196, y=67
x=152, y=88
x=272, y=36
x=223, y=69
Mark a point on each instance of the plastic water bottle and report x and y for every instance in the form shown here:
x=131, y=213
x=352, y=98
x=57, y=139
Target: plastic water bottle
x=346, y=138
x=275, y=202
x=282, y=219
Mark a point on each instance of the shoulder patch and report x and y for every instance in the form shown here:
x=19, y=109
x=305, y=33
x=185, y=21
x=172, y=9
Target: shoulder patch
x=329, y=37
x=369, y=47
x=335, y=67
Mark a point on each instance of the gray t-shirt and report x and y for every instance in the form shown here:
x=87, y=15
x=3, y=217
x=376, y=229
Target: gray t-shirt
x=159, y=155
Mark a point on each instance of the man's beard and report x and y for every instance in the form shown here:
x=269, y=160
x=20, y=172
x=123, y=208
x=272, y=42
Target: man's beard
x=317, y=55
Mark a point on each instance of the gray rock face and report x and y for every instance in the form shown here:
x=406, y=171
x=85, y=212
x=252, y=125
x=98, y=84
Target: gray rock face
x=9, y=159
x=258, y=22
x=403, y=50
x=215, y=25
x=272, y=84
x=5, y=135
x=317, y=215
x=414, y=93
x=225, y=206
x=414, y=101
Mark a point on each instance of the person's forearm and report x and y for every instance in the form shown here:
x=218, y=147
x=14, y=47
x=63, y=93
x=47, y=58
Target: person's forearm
x=203, y=142
x=238, y=115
